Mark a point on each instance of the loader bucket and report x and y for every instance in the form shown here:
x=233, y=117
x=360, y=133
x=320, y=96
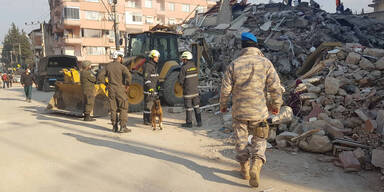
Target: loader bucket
x=68, y=97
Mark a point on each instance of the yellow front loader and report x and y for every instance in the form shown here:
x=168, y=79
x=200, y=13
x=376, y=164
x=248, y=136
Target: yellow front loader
x=68, y=96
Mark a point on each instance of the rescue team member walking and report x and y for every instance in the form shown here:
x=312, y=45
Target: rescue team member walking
x=88, y=81
x=246, y=78
x=151, y=78
x=119, y=79
x=189, y=80
x=27, y=80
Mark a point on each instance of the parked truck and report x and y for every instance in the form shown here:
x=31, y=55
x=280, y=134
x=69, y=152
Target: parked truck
x=49, y=70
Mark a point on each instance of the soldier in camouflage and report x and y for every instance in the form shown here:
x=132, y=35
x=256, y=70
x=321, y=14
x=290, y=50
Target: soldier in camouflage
x=88, y=81
x=119, y=79
x=247, y=78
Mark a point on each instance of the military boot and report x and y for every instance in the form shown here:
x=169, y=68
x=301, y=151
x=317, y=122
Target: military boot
x=115, y=127
x=198, y=117
x=188, y=125
x=87, y=117
x=254, y=181
x=244, y=170
x=124, y=129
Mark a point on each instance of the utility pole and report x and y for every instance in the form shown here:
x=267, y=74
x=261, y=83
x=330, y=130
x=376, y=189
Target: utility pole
x=43, y=38
x=19, y=58
x=115, y=25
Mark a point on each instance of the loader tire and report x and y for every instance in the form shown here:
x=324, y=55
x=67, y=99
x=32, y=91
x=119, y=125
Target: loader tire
x=136, y=94
x=172, y=90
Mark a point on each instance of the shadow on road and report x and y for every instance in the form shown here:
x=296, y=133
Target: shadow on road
x=207, y=173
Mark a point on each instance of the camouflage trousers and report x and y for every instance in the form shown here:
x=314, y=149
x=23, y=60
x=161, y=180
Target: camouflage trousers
x=251, y=140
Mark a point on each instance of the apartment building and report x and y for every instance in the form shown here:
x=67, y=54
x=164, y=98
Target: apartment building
x=84, y=28
x=378, y=9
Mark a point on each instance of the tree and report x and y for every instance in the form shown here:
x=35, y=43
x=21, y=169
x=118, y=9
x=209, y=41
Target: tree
x=16, y=48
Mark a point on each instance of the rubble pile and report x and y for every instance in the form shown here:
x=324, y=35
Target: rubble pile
x=286, y=34
x=339, y=108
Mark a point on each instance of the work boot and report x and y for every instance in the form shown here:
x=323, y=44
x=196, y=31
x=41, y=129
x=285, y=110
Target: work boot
x=198, y=119
x=254, y=181
x=244, y=170
x=188, y=125
x=115, y=128
x=88, y=118
x=29, y=100
x=124, y=129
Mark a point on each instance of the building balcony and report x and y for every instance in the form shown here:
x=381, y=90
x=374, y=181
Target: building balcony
x=71, y=22
x=72, y=40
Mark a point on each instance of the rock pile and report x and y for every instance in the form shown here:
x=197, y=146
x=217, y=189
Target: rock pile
x=286, y=34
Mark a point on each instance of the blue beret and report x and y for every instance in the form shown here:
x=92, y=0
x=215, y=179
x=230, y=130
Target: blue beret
x=248, y=37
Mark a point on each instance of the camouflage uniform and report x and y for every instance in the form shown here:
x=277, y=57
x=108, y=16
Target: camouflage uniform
x=248, y=78
x=118, y=77
x=88, y=81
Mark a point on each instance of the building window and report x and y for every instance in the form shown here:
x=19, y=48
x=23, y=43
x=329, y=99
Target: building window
x=91, y=33
x=185, y=8
x=133, y=18
x=171, y=21
x=71, y=13
x=93, y=15
x=95, y=50
x=95, y=1
x=148, y=3
x=149, y=19
x=131, y=4
x=171, y=6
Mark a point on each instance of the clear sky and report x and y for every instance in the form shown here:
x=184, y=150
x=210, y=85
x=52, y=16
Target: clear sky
x=22, y=11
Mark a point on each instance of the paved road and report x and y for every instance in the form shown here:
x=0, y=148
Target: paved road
x=42, y=152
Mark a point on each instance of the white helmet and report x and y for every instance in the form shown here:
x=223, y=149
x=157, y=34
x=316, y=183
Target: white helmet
x=154, y=53
x=187, y=55
x=116, y=54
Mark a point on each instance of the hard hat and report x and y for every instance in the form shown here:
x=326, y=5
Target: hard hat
x=28, y=70
x=116, y=54
x=246, y=36
x=86, y=64
x=154, y=53
x=187, y=55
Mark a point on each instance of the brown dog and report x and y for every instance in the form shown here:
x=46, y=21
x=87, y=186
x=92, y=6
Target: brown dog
x=157, y=111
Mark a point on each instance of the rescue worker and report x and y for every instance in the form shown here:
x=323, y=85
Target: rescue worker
x=119, y=79
x=88, y=81
x=151, y=78
x=247, y=78
x=189, y=80
x=26, y=81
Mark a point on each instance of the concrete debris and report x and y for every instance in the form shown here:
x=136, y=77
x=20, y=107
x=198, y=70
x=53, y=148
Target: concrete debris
x=378, y=158
x=331, y=86
x=316, y=144
x=349, y=162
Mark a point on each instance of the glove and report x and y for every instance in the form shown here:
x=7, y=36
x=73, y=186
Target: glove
x=223, y=109
x=275, y=111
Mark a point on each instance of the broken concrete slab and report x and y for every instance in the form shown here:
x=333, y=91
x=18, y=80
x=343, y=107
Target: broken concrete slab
x=283, y=138
x=238, y=22
x=266, y=26
x=275, y=45
x=362, y=115
x=316, y=144
x=332, y=85
x=380, y=64
x=222, y=26
x=378, y=158
x=353, y=58
x=380, y=121
x=349, y=162
x=366, y=64
x=374, y=52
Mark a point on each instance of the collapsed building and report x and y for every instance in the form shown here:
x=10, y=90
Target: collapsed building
x=332, y=68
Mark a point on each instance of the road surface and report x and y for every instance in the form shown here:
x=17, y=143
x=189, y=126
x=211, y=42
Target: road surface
x=42, y=152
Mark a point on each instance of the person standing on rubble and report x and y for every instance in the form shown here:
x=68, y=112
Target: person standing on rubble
x=189, y=80
x=119, y=79
x=151, y=77
x=88, y=81
x=247, y=78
